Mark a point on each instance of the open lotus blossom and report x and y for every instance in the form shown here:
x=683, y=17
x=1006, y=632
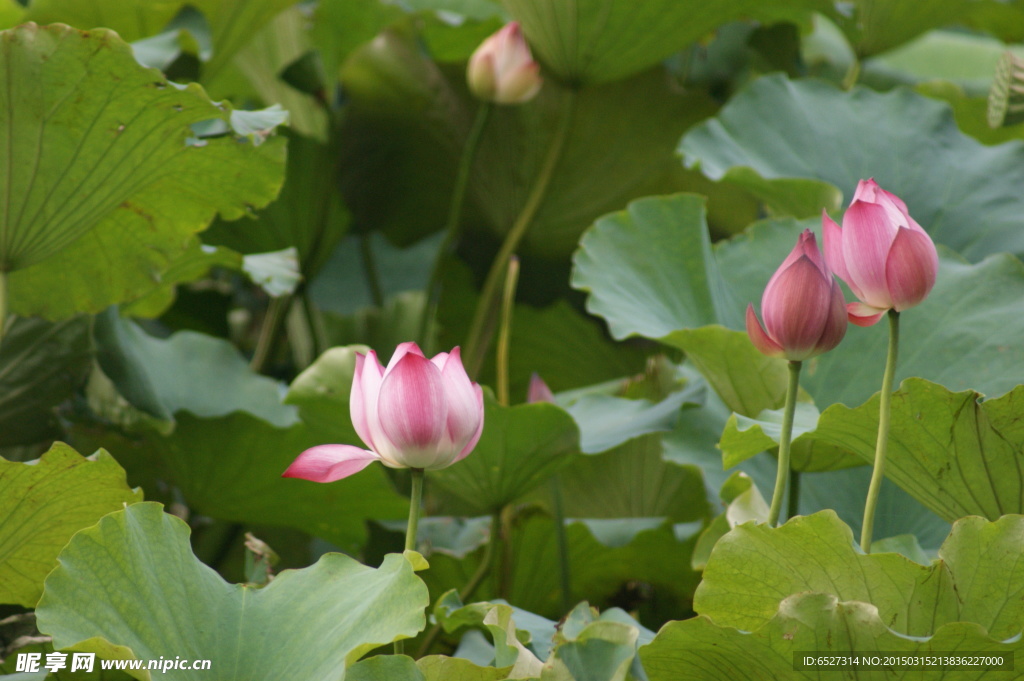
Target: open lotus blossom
x=502, y=70
x=886, y=258
x=417, y=413
x=803, y=307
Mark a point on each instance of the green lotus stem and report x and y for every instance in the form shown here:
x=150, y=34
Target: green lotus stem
x=415, y=501
x=453, y=224
x=273, y=322
x=505, y=334
x=882, y=444
x=483, y=318
x=782, y=476
x=562, y=540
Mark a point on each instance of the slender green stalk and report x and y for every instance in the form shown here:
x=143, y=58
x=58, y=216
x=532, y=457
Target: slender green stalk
x=453, y=225
x=505, y=334
x=852, y=75
x=882, y=444
x=273, y=322
x=3, y=304
x=565, y=578
x=415, y=501
x=782, y=476
x=482, y=327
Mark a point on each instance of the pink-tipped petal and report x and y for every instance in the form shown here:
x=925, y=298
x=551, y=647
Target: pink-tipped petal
x=357, y=403
x=363, y=400
x=795, y=307
x=539, y=390
x=835, y=325
x=867, y=237
x=327, y=463
x=760, y=339
x=412, y=409
x=911, y=268
x=863, y=314
x=468, y=448
x=832, y=236
x=401, y=351
x=465, y=411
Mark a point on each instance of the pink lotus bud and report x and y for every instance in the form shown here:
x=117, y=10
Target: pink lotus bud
x=539, y=391
x=803, y=307
x=502, y=70
x=417, y=413
x=885, y=257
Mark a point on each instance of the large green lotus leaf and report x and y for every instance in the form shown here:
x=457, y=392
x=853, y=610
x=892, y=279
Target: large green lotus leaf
x=754, y=567
x=812, y=623
x=41, y=365
x=591, y=41
x=953, y=452
x=519, y=449
x=188, y=371
x=340, y=26
x=633, y=481
x=650, y=271
x=407, y=120
x=42, y=504
x=306, y=623
x=113, y=180
x=969, y=199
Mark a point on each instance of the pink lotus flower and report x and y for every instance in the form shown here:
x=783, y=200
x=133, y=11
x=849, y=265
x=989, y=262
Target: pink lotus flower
x=417, y=413
x=803, y=307
x=885, y=257
x=502, y=70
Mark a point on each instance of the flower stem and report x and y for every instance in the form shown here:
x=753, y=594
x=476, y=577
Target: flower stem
x=482, y=327
x=505, y=333
x=882, y=444
x=453, y=224
x=273, y=322
x=415, y=500
x=782, y=476
x=558, y=507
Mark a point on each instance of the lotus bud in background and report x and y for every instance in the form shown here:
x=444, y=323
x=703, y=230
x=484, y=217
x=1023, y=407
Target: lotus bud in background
x=539, y=390
x=502, y=70
x=886, y=258
x=802, y=306
x=416, y=413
